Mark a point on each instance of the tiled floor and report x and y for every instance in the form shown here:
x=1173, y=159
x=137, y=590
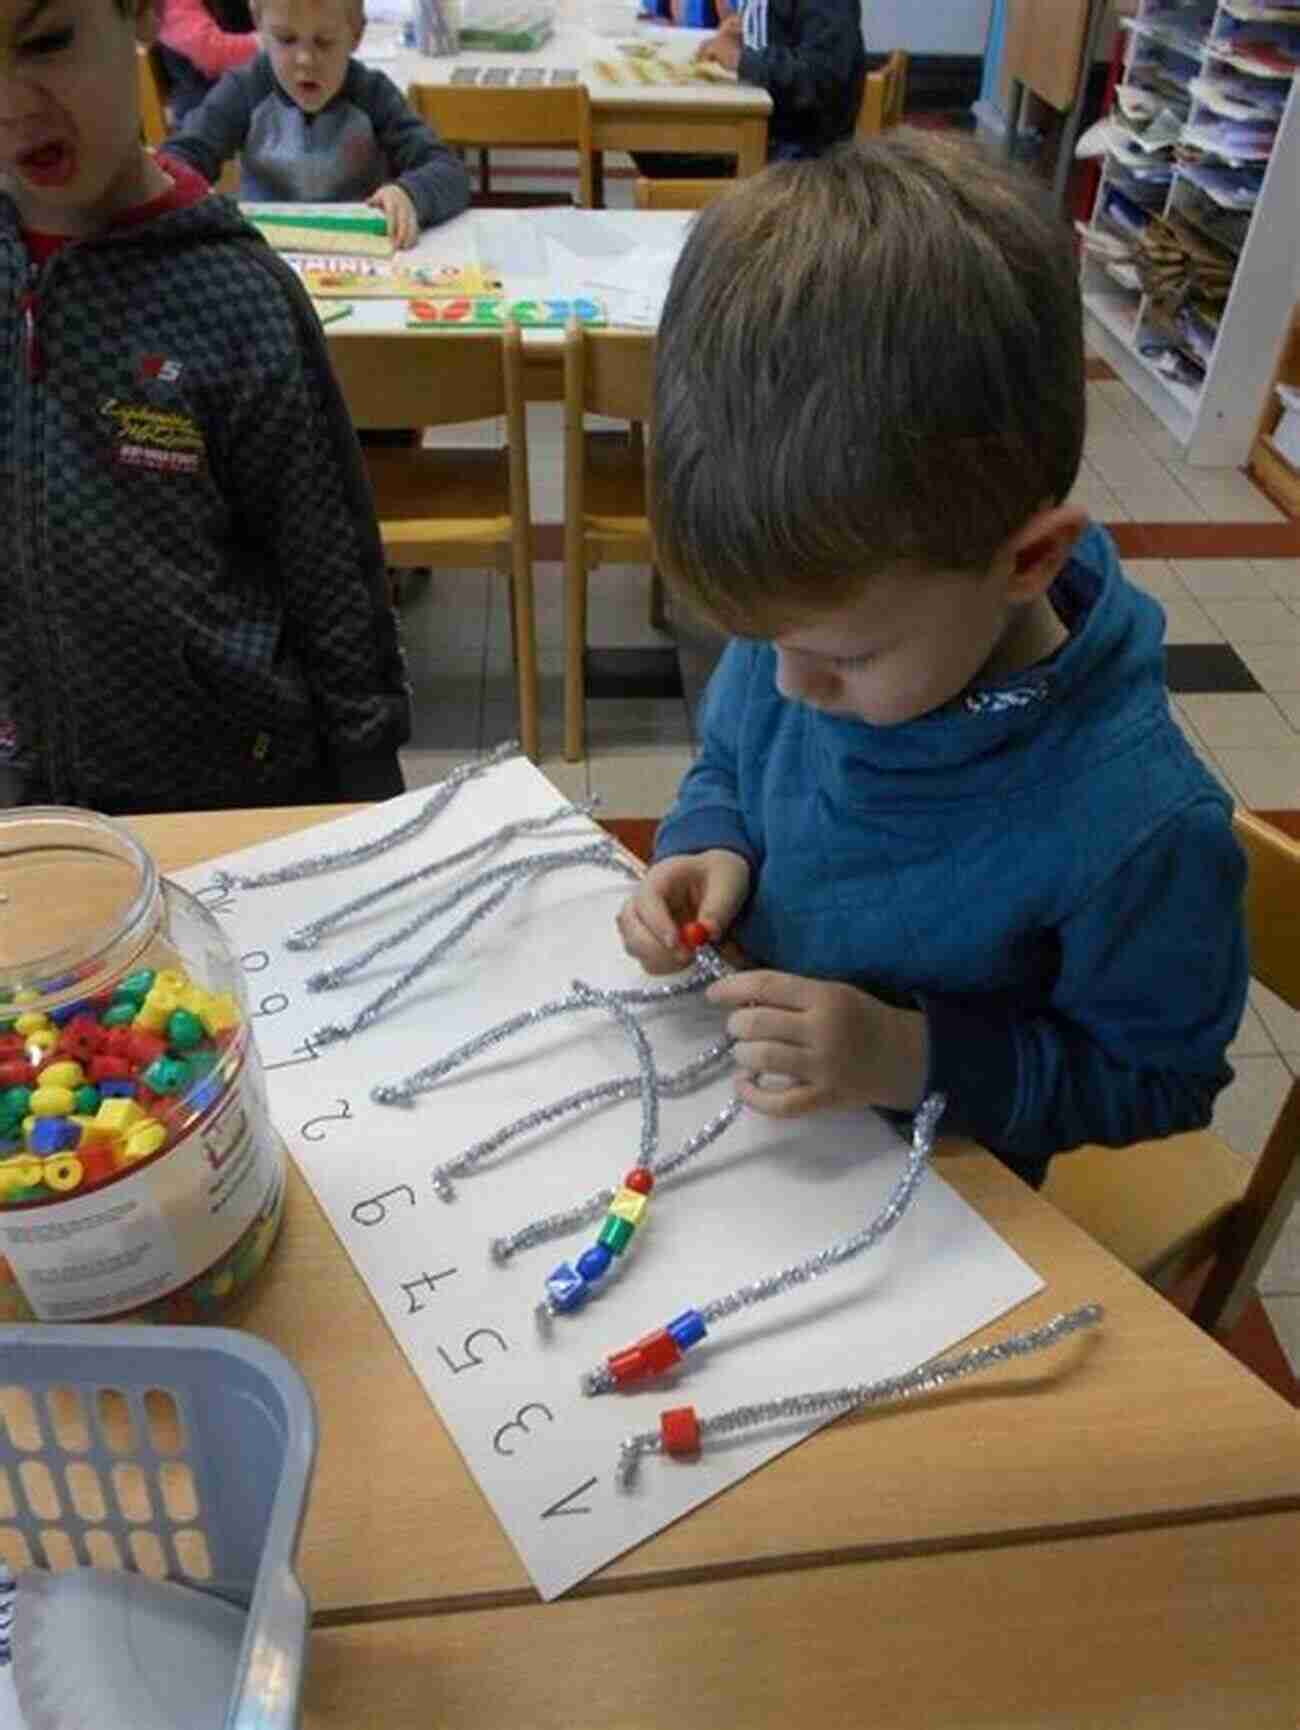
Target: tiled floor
x=1189, y=537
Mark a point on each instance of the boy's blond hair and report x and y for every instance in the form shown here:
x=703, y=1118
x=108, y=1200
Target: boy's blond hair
x=873, y=360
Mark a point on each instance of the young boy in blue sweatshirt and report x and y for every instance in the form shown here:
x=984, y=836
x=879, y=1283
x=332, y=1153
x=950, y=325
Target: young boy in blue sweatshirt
x=311, y=124
x=195, y=604
x=940, y=803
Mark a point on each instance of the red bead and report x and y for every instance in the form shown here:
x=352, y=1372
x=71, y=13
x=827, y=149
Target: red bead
x=639, y=1179
x=82, y=1037
x=679, y=1431
x=97, y=1161
x=695, y=933
x=659, y=1352
x=116, y=1041
x=105, y=1068
x=12, y=1045
x=628, y=1366
x=143, y=1047
x=16, y=1073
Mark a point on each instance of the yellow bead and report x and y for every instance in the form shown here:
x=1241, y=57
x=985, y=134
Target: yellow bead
x=63, y=1172
x=171, y=979
x=117, y=1116
x=219, y=1011
x=52, y=1102
x=193, y=998
x=21, y=1173
x=628, y=1205
x=144, y=1138
x=43, y=1039
x=222, y=1284
x=26, y=994
x=155, y=1012
x=32, y=1022
x=65, y=1074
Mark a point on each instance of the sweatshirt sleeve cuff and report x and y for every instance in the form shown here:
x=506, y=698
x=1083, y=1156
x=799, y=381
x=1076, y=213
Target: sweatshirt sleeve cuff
x=699, y=830
x=973, y=1060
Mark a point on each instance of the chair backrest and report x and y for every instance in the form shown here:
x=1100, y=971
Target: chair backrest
x=1272, y=905
x=679, y=194
x=884, y=96
x=152, y=97
x=549, y=119
x=609, y=372
x=441, y=379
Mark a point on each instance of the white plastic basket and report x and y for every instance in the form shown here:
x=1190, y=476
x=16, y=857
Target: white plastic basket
x=181, y=1453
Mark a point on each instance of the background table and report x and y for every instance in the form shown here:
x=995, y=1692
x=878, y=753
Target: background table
x=1106, y=1535
x=730, y=119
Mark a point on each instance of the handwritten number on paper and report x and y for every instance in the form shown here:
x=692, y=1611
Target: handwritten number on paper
x=374, y=1210
x=520, y=1422
x=272, y=1004
x=309, y=1055
x=256, y=961
x=472, y=1360
x=409, y=1286
x=325, y=1117
x=216, y=897
x=558, y=1509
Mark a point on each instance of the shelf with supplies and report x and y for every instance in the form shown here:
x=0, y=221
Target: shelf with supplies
x=1191, y=259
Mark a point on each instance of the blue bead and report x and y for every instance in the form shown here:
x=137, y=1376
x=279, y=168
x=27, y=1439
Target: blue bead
x=53, y=1135
x=566, y=1288
x=593, y=1262
x=687, y=1329
x=60, y=1017
x=113, y=1089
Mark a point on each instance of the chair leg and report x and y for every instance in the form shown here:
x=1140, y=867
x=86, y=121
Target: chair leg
x=523, y=636
x=659, y=619
x=575, y=644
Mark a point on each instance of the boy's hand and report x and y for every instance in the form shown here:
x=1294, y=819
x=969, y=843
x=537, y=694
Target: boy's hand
x=399, y=212
x=704, y=888
x=724, y=48
x=838, y=1046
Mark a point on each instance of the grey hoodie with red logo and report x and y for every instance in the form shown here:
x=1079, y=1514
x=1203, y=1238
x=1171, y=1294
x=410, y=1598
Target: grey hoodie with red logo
x=195, y=607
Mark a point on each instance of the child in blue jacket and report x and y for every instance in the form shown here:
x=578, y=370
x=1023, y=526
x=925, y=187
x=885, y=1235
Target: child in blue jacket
x=940, y=803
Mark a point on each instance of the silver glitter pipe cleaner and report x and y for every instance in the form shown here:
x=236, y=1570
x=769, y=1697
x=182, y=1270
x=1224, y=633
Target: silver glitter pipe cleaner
x=702, y=1067
x=924, y=1126
x=925, y=1379
x=308, y=936
x=330, y=978
x=423, y=1080
x=343, y=858
x=597, y=853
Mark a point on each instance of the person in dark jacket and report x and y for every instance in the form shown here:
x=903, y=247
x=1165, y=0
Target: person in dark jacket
x=311, y=124
x=808, y=56
x=195, y=605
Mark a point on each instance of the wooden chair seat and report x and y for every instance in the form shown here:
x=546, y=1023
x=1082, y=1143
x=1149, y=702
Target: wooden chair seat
x=486, y=118
x=430, y=501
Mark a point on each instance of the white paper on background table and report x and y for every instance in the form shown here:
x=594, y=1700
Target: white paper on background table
x=767, y=1194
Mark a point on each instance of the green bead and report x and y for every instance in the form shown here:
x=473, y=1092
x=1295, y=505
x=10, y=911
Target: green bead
x=16, y=1099
x=203, y=1061
x=136, y=984
x=614, y=1233
x=183, y=1030
x=31, y=1194
x=121, y=1012
x=166, y=1075
x=86, y=1101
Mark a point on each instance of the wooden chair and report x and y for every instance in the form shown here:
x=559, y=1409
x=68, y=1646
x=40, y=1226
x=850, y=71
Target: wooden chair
x=468, y=116
x=884, y=96
x=451, y=508
x=1164, y=1207
x=152, y=96
x=606, y=372
x=679, y=194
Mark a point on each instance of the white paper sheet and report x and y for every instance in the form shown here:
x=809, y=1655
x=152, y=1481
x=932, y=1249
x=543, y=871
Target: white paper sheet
x=765, y=1195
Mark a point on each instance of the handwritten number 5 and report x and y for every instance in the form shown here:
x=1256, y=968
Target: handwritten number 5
x=471, y=1357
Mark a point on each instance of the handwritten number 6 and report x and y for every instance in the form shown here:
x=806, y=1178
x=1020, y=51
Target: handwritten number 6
x=471, y=1357
x=519, y=1422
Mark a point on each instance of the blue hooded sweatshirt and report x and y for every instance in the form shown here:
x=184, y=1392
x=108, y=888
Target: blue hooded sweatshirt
x=1045, y=868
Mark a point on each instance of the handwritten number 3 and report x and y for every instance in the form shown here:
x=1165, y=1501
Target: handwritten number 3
x=520, y=1422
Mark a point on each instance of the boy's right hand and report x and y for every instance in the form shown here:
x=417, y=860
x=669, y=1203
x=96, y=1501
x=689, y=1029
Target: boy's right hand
x=707, y=888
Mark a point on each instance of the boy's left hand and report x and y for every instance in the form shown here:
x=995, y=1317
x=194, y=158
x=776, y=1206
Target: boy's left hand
x=838, y=1046
x=399, y=212
x=723, y=49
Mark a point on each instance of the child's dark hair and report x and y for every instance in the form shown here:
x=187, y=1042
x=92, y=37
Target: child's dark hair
x=866, y=361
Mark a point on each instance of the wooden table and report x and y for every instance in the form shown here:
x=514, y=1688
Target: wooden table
x=1107, y=1535
x=727, y=119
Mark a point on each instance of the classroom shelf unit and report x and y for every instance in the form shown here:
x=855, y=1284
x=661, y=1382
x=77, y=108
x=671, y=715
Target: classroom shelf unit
x=1220, y=80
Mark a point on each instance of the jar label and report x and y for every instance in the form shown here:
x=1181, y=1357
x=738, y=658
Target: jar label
x=147, y=1234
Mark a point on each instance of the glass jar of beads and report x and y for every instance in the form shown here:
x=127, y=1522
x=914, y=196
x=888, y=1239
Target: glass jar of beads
x=140, y=1176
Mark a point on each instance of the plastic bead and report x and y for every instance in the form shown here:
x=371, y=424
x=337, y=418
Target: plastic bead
x=593, y=1263
x=53, y=1135
x=15, y=1073
x=566, y=1288
x=86, y=1101
x=81, y=1038
x=639, y=1179
x=62, y=1073
x=688, y=1329
x=64, y=1173
x=97, y=1161
x=143, y=1047
x=659, y=1352
x=143, y=1139
x=44, y=1039
x=614, y=1234
x=628, y=1205
x=156, y=1011
x=679, y=1432
x=136, y=984
x=32, y=1022
x=166, y=1075
x=121, y=1014
x=51, y=1102
x=117, y=1089
x=183, y=1030
x=23, y=1173
x=219, y=1013
x=695, y=934
x=171, y=979
x=118, y=1115
x=628, y=1366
